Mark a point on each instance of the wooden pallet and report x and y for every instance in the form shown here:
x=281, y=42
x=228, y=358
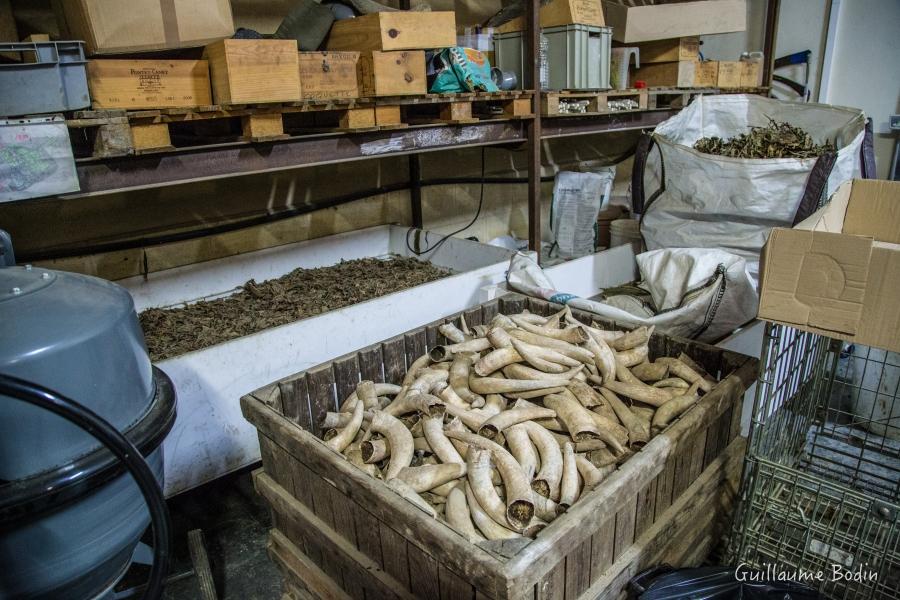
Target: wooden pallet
x=119, y=132
x=597, y=103
x=675, y=97
x=343, y=534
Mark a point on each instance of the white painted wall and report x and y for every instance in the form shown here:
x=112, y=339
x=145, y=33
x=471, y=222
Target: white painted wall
x=865, y=66
x=802, y=25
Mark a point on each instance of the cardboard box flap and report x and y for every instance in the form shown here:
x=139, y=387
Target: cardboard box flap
x=874, y=210
x=816, y=279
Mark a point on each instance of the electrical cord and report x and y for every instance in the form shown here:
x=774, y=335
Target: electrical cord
x=124, y=450
x=441, y=242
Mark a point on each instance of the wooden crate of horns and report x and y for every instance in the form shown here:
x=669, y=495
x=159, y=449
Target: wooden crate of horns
x=339, y=532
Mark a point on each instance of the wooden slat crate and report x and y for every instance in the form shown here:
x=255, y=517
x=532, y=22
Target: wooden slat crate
x=339, y=533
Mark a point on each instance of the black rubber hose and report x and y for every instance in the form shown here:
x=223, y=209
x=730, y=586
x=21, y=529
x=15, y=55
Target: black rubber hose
x=124, y=450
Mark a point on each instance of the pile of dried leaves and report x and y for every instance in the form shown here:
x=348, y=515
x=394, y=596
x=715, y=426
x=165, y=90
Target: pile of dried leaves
x=299, y=294
x=775, y=140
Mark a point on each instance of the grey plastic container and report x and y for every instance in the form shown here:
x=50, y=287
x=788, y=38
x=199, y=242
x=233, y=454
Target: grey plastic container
x=573, y=57
x=55, y=81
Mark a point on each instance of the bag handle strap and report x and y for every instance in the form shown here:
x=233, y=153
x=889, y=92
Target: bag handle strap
x=816, y=186
x=867, y=152
x=639, y=202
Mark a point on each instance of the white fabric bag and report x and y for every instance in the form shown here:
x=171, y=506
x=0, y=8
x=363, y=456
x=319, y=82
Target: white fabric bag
x=577, y=199
x=710, y=201
x=696, y=294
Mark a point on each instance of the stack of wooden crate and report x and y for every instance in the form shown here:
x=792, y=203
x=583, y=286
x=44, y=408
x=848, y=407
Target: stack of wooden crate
x=391, y=47
x=676, y=63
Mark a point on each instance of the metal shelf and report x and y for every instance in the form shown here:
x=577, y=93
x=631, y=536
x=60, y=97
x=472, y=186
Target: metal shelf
x=244, y=158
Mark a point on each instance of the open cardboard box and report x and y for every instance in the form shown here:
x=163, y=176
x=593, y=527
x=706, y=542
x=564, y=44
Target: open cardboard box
x=838, y=272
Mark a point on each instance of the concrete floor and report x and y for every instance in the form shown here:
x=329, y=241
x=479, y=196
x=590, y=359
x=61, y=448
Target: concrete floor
x=235, y=523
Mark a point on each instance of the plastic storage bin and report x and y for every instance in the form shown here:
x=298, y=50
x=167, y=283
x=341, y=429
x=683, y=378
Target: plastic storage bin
x=53, y=80
x=573, y=57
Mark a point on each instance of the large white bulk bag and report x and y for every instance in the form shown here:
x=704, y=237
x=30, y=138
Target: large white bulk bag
x=698, y=200
x=691, y=293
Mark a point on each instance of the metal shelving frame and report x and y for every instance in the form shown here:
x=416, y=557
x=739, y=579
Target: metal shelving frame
x=191, y=164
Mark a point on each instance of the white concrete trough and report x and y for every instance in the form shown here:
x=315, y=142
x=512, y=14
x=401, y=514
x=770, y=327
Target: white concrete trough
x=210, y=437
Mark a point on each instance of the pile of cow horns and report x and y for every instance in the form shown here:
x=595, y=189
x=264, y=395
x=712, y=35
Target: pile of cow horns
x=502, y=430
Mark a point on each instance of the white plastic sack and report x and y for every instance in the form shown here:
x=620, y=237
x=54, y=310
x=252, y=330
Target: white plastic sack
x=732, y=203
x=577, y=199
x=698, y=294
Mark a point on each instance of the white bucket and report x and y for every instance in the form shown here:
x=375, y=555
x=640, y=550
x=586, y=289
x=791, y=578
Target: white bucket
x=626, y=231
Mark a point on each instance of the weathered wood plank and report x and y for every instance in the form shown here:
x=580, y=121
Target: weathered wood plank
x=489, y=310
x=368, y=535
x=453, y=586
x=321, y=396
x=371, y=364
x=683, y=525
x=295, y=401
x=346, y=376
x=334, y=546
x=289, y=558
x=578, y=570
x=665, y=483
x=423, y=572
x=473, y=316
x=624, y=529
x=394, y=355
x=393, y=554
x=415, y=345
x=553, y=585
x=646, y=505
x=602, y=548
x=480, y=567
x=345, y=526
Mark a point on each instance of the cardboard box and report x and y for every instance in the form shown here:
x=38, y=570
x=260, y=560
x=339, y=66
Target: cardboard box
x=838, y=272
x=706, y=73
x=685, y=48
x=400, y=73
x=671, y=74
x=561, y=12
x=394, y=31
x=673, y=20
x=750, y=73
x=250, y=71
x=325, y=75
x=729, y=74
x=109, y=27
x=137, y=84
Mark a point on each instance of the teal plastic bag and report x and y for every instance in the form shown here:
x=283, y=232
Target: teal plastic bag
x=462, y=70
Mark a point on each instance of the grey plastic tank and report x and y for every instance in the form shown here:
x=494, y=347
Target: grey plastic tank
x=70, y=516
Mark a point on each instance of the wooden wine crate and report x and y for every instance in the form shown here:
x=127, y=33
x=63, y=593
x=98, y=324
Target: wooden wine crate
x=400, y=73
x=342, y=534
x=729, y=74
x=254, y=71
x=401, y=30
x=327, y=75
x=141, y=84
x=706, y=74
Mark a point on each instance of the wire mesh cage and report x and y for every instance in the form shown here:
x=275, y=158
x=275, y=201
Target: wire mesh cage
x=821, y=484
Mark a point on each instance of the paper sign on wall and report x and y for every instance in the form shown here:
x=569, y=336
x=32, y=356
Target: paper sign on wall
x=35, y=159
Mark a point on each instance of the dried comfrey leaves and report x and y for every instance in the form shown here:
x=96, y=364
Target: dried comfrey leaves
x=776, y=140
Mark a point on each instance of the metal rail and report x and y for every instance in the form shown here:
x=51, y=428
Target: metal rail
x=200, y=163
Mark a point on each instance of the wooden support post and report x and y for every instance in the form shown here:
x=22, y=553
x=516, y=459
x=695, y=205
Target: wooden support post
x=517, y=107
x=533, y=72
x=456, y=111
x=151, y=136
x=264, y=126
x=357, y=118
x=388, y=115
